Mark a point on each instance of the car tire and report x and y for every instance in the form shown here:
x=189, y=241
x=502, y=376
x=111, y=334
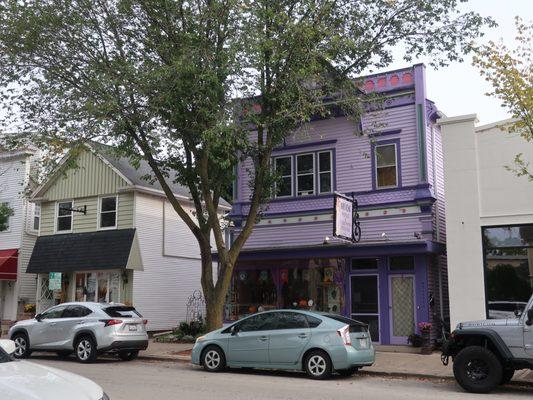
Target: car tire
x=63, y=353
x=477, y=369
x=507, y=375
x=213, y=359
x=128, y=355
x=85, y=349
x=347, y=372
x=317, y=365
x=22, y=344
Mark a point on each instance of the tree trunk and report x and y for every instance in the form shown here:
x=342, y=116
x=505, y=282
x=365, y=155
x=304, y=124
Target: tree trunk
x=214, y=313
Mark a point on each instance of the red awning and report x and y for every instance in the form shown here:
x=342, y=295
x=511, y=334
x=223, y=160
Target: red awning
x=8, y=264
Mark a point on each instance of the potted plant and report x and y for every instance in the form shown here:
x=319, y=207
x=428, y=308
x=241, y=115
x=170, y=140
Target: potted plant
x=425, y=330
x=415, y=340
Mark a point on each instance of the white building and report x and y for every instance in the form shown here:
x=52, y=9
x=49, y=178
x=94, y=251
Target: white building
x=16, y=240
x=489, y=219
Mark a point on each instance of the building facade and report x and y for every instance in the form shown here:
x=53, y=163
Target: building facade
x=395, y=277
x=17, y=289
x=489, y=220
x=109, y=235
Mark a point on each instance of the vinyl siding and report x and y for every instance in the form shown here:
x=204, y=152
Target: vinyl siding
x=161, y=291
x=89, y=222
x=90, y=177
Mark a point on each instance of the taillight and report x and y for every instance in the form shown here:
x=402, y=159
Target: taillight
x=145, y=321
x=344, y=333
x=110, y=322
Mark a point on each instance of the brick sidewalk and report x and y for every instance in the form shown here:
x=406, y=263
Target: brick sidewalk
x=387, y=363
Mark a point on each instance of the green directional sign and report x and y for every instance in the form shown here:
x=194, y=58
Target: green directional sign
x=54, y=281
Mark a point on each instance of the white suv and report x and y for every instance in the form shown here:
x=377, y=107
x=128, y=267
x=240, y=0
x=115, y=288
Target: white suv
x=87, y=329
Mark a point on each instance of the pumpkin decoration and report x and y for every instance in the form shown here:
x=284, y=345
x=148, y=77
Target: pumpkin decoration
x=303, y=303
x=252, y=309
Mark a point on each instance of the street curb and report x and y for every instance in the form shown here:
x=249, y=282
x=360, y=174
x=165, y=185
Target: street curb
x=186, y=359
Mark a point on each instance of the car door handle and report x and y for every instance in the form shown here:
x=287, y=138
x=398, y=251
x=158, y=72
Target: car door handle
x=263, y=338
x=302, y=336
x=53, y=323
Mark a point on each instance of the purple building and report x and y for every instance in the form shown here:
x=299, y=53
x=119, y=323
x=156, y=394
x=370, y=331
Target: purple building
x=395, y=277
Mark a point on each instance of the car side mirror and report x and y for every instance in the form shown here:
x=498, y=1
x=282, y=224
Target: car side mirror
x=529, y=321
x=518, y=313
x=234, y=330
x=39, y=317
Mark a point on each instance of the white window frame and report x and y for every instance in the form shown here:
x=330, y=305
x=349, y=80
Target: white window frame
x=325, y=172
x=56, y=216
x=290, y=157
x=9, y=203
x=105, y=228
x=395, y=165
x=313, y=174
x=36, y=214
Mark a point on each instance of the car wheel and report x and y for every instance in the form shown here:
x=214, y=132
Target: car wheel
x=64, y=353
x=347, y=372
x=477, y=369
x=507, y=375
x=22, y=345
x=85, y=349
x=318, y=365
x=213, y=359
x=128, y=355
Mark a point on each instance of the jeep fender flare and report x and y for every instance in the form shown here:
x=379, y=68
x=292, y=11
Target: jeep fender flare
x=492, y=336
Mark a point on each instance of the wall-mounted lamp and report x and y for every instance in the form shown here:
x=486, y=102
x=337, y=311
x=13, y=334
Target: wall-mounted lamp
x=326, y=240
x=125, y=276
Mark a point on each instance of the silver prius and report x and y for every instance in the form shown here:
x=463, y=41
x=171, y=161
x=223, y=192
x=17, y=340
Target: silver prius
x=316, y=343
x=83, y=328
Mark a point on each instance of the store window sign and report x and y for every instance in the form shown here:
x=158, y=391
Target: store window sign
x=343, y=217
x=54, y=281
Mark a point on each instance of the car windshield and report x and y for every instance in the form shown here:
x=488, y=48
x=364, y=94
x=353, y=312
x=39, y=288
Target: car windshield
x=122, y=312
x=4, y=357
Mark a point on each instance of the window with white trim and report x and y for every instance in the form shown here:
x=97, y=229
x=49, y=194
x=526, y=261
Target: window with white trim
x=36, y=217
x=305, y=174
x=108, y=212
x=386, y=165
x=325, y=172
x=283, y=167
x=6, y=213
x=64, y=216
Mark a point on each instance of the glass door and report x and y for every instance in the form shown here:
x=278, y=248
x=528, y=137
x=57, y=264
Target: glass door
x=365, y=302
x=402, y=307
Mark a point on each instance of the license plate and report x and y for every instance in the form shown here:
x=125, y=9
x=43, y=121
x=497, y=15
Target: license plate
x=132, y=328
x=363, y=343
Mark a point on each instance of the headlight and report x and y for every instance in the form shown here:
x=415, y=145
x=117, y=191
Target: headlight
x=104, y=397
x=200, y=339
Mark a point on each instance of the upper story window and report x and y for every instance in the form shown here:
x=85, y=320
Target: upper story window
x=6, y=212
x=386, y=165
x=305, y=174
x=283, y=166
x=108, y=212
x=36, y=217
x=325, y=172
x=64, y=216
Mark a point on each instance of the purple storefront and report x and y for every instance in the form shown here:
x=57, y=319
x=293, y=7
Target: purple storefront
x=395, y=277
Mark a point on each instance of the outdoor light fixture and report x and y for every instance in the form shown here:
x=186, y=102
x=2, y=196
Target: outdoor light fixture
x=418, y=235
x=384, y=236
x=326, y=240
x=125, y=276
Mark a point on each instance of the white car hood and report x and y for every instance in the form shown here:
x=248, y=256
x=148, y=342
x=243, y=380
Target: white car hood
x=22, y=380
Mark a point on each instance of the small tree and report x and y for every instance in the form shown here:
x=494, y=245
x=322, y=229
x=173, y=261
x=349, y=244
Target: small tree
x=5, y=213
x=510, y=73
x=158, y=80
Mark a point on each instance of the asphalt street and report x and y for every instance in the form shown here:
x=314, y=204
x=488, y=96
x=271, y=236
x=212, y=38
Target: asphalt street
x=142, y=380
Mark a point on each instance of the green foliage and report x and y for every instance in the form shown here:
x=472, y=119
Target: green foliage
x=5, y=213
x=510, y=73
x=158, y=80
x=193, y=328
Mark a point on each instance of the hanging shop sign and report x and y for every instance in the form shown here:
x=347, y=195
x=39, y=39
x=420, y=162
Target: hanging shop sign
x=346, y=224
x=54, y=281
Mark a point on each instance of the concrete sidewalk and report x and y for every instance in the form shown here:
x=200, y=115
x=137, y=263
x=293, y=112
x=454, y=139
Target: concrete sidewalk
x=387, y=363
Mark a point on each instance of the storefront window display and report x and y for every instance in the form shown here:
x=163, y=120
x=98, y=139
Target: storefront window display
x=310, y=284
x=100, y=286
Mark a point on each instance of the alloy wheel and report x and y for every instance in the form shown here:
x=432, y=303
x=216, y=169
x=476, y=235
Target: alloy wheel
x=84, y=349
x=477, y=370
x=212, y=359
x=20, y=346
x=317, y=365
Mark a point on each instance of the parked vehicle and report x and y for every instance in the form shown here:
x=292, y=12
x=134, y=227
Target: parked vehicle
x=288, y=340
x=505, y=309
x=22, y=380
x=87, y=329
x=486, y=353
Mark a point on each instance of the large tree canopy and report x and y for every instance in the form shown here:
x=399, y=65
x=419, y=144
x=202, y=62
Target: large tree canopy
x=159, y=79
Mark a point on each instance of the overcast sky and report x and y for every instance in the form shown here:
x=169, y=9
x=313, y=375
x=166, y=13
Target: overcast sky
x=459, y=89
